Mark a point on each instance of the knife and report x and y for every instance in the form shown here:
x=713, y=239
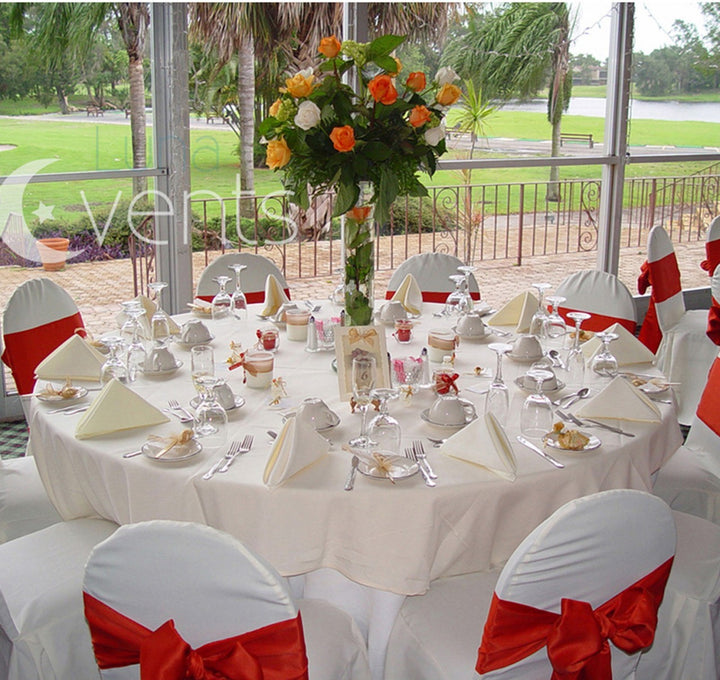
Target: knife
x=540, y=452
x=350, y=482
x=612, y=428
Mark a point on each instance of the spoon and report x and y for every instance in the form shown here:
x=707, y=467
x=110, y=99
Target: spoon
x=572, y=398
x=555, y=356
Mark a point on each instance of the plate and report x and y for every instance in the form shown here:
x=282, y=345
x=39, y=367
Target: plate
x=425, y=415
x=483, y=309
x=239, y=402
x=163, y=372
x=57, y=399
x=551, y=439
x=524, y=360
x=178, y=452
x=189, y=345
x=400, y=467
x=650, y=386
x=519, y=381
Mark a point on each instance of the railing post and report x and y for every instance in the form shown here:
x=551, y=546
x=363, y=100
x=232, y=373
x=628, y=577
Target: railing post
x=651, y=206
x=521, y=216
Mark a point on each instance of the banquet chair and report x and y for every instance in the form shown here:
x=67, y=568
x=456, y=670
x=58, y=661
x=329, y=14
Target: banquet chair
x=589, y=554
x=43, y=634
x=431, y=271
x=712, y=247
x=713, y=325
x=600, y=294
x=252, y=279
x=198, y=595
x=685, y=353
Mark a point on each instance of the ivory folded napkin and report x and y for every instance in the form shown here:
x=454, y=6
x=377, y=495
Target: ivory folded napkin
x=518, y=312
x=274, y=296
x=117, y=408
x=297, y=446
x=483, y=442
x=74, y=359
x=410, y=295
x=620, y=400
x=627, y=349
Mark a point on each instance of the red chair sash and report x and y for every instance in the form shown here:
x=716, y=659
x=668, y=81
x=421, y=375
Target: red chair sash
x=713, y=328
x=24, y=350
x=665, y=278
x=433, y=296
x=252, y=297
x=577, y=638
x=274, y=652
x=650, y=334
x=709, y=407
x=712, y=250
x=596, y=322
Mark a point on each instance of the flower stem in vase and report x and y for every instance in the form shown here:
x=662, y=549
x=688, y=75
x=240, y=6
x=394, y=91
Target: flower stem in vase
x=359, y=262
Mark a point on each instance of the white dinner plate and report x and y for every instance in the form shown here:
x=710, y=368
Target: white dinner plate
x=551, y=440
x=176, y=453
x=520, y=382
x=651, y=386
x=66, y=401
x=399, y=467
x=239, y=402
x=164, y=372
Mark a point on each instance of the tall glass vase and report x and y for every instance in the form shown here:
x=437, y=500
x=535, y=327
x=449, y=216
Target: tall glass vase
x=359, y=252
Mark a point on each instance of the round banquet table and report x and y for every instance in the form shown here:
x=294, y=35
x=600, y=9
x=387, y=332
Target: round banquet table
x=388, y=538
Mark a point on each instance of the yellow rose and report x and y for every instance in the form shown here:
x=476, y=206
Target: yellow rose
x=275, y=108
x=301, y=84
x=278, y=153
x=448, y=94
x=330, y=47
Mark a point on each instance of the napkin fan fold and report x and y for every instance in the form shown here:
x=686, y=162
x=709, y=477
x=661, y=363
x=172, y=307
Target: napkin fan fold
x=620, y=400
x=627, y=349
x=274, y=296
x=518, y=312
x=409, y=295
x=297, y=446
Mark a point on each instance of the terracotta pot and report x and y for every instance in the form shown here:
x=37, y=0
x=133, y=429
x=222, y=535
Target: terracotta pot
x=52, y=253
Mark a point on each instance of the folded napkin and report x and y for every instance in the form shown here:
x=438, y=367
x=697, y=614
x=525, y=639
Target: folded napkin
x=150, y=308
x=483, y=442
x=117, y=408
x=621, y=400
x=627, y=349
x=75, y=359
x=274, y=296
x=201, y=307
x=518, y=312
x=410, y=295
x=297, y=446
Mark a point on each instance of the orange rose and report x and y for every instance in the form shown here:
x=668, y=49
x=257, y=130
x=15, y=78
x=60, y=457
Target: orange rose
x=419, y=116
x=330, y=47
x=359, y=213
x=416, y=81
x=448, y=94
x=278, y=153
x=343, y=138
x=301, y=84
x=382, y=89
x=275, y=108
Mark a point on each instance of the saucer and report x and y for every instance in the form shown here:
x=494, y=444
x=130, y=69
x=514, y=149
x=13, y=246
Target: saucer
x=474, y=336
x=162, y=372
x=425, y=415
x=239, y=403
x=177, y=452
x=190, y=345
x=551, y=440
x=524, y=360
x=531, y=390
x=58, y=399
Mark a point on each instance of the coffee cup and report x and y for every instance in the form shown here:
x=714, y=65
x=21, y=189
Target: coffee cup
x=451, y=410
x=224, y=395
x=392, y=311
x=548, y=385
x=194, y=331
x=441, y=342
x=317, y=412
x=471, y=325
x=527, y=347
x=160, y=359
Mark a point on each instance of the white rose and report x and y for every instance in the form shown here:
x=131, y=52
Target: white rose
x=306, y=72
x=433, y=136
x=307, y=116
x=445, y=76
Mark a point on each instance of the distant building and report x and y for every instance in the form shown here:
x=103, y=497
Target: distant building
x=586, y=74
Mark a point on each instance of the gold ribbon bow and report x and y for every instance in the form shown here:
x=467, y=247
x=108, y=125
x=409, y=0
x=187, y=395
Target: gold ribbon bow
x=67, y=391
x=356, y=336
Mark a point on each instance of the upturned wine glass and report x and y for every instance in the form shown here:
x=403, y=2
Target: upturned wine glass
x=136, y=352
x=384, y=430
x=575, y=361
x=114, y=366
x=536, y=417
x=364, y=371
x=160, y=321
x=238, y=301
x=555, y=327
x=497, y=400
x=466, y=270
x=222, y=302
x=210, y=417
x=457, y=302
x=537, y=323
x=604, y=363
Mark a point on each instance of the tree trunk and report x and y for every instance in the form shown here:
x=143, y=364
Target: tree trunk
x=137, y=122
x=62, y=100
x=246, y=89
x=553, y=189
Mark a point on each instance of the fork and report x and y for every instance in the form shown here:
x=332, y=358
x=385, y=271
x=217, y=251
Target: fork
x=412, y=455
x=175, y=406
x=244, y=448
x=230, y=453
x=419, y=450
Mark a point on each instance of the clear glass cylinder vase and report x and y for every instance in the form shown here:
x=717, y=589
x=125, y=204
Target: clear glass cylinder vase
x=359, y=253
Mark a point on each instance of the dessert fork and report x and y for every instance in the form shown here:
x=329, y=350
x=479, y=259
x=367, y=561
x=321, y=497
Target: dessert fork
x=419, y=450
x=175, y=406
x=230, y=452
x=244, y=448
x=412, y=455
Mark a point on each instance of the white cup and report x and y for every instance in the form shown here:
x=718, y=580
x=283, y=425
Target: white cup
x=224, y=395
x=547, y=385
x=450, y=410
x=194, y=331
x=471, y=325
x=391, y=311
x=527, y=347
x=316, y=411
x=160, y=359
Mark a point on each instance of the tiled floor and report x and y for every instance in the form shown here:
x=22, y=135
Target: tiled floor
x=13, y=439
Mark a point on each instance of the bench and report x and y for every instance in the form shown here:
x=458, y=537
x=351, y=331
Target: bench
x=95, y=111
x=576, y=137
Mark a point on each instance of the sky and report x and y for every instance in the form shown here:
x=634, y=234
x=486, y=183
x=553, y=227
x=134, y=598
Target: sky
x=653, y=25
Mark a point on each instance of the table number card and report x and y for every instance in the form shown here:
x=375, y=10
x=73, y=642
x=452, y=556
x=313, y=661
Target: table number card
x=350, y=341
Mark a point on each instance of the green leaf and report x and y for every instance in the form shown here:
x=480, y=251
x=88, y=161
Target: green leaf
x=386, y=63
x=346, y=197
x=383, y=45
x=377, y=151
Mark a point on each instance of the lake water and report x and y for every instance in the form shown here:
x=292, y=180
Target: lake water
x=595, y=107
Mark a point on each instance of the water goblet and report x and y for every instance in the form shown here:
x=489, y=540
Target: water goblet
x=497, y=400
x=364, y=371
x=536, y=417
x=555, y=327
x=114, y=366
x=160, y=321
x=210, y=417
x=238, y=301
x=537, y=323
x=457, y=301
x=575, y=361
x=127, y=330
x=136, y=352
x=604, y=363
x=384, y=430
x=202, y=364
x=466, y=270
x=222, y=302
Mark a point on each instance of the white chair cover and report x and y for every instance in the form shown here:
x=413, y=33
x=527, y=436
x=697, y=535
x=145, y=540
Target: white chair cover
x=600, y=294
x=252, y=279
x=213, y=588
x=590, y=549
x=44, y=634
x=24, y=504
x=431, y=271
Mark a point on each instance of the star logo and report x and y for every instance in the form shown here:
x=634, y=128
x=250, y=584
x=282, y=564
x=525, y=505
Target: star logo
x=44, y=212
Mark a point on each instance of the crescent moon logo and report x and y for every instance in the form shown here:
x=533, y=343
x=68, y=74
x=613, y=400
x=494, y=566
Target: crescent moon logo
x=15, y=233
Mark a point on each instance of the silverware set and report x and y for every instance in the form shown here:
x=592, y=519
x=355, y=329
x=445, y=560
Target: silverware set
x=591, y=422
x=70, y=410
x=236, y=449
x=182, y=414
x=411, y=453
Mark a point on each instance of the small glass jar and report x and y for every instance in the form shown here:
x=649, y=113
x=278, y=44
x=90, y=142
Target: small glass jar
x=403, y=331
x=268, y=339
x=441, y=342
x=258, y=368
x=296, y=321
x=444, y=378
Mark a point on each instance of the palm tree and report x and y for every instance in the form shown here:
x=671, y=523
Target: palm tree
x=516, y=51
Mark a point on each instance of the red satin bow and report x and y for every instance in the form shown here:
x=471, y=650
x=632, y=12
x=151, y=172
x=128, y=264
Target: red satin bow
x=712, y=250
x=577, y=638
x=444, y=382
x=713, y=327
x=274, y=652
x=650, y=334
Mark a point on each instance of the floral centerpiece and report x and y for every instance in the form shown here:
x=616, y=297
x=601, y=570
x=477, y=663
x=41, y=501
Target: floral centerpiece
x=368, y=146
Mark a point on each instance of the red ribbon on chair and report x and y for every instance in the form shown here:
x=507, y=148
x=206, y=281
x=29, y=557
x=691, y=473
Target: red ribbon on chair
x=274, y=652
x=708, y=410
x=712, y=251
x=713, y=327
x=433, y=296
x=650, y=334
x=252, y=297
x=577, y=638
x=596, y=322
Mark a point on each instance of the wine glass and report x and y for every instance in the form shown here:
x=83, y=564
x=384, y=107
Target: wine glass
x=222, y=302
x=604, y=363
x=210, y=417
x=555, y=328
x=575, y=361
x=497, y=400
x=160, y=321
x=114, y=366
x=364, y=371
x=536, y=417
x=537, y=323
x=383, y=430
x=136, y=352
x=467, y=269
x=238, y=301
x=202, y=364
x=457, y=301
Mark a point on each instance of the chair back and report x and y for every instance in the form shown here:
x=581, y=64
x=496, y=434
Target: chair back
x=704, y=435
x=665, y=279
x=713, y=329
x=712, y=247
x=252, y=279
x=431, y=271
x=38, y=318
x=588, y=553
x=600, y=294
x=206, y=582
